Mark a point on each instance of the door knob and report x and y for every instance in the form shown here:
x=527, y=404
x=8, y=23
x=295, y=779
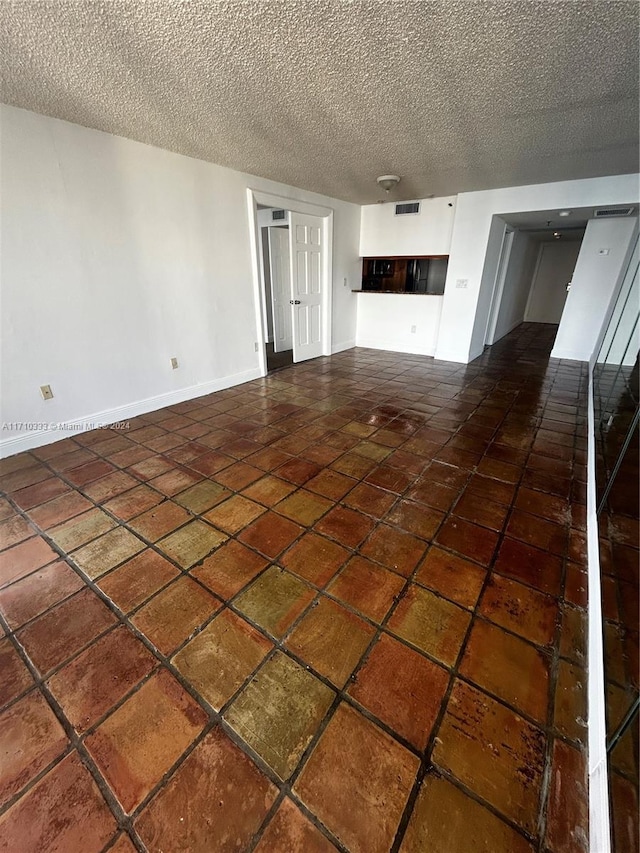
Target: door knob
x=294, y=302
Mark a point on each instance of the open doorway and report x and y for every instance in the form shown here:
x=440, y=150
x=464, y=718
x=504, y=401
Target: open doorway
x=275, y=268
x=536, y=257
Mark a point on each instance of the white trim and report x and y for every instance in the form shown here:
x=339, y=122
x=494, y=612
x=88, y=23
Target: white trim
x=38, y=438
x=342, y=346
x=599, y=829
x=504, y=258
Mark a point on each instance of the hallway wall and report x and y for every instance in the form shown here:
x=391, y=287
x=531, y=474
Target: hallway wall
x=556, y=262
x=522, y=260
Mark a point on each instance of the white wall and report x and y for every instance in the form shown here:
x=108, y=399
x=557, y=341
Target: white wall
x=554, y=270
x=465, y=310
x=117, y=256
x=426, y=233
x=517, y=284
x=385, y=321
x=594, y=280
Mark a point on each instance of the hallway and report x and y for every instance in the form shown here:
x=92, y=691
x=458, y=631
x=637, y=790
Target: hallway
x=338, y=608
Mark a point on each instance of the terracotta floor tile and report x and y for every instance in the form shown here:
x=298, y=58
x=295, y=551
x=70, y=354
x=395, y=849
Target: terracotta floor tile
x=624, y=801
x=175, y=481
x=352, y=464
x=448, y=475
x=59, y=509
x=453, y=577
x=550, y=507
x=367, y=587
x=394, y=548
x=468, y=539
x=509, y=668
x=297, y=471
x=494, y=752
x=110, y=486
x=370, y=500
x=22, y=559
x=270, y=534
x=568, y=817
x=210, y=463
x=275, y=600
x=402, y=688
x=134, y=502
x=573, y=635
x=16, y=678
x=290, y=830
x=331, y=484
x=101, y=676
x=433, y=494
x=216, y=772
x=64, y=811
x=499, y=470
x=173, y=614
x=229, y=568
x=570, y=709
x=357, y=781
x=143, y=738
x=390, y=478
x=41, y=492
x=433, y=624
x=346, y=526
x=238, y=476
x=81, y=529
x=520, y=609
x=279, y=711
x=446, y=820
x=202, y=496
x=304, y=507
x=30, y=738
x=88, y=472
x=331, y=639
x=65, y=629
x=123, y=845
x=234, y=514
x=529, y=565
x=481, y=510
x=137, y=579
x=152, y=466
x=160, y=520
x=538, y=532
x=15, y=530
x=314, y=558
x=268, y=458
x=188, y=545
x=108, y=551
x=219, y=659
x=269, y=490
x=34, y=594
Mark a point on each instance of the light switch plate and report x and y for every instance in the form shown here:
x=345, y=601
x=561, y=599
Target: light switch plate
x=462, y=282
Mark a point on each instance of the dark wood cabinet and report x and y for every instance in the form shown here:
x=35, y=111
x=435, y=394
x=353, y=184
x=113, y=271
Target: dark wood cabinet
x=399, y=274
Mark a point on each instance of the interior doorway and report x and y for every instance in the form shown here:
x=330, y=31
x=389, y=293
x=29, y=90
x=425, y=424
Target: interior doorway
x=275, y=268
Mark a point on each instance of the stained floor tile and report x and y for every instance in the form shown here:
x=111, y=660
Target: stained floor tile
x=216, y=775
x=367, y=587
x=290, y=830
x=455, y=578
x=160, y=520
x=191, y=543
x=16, y=678
x=518, y=608
x=279, y=711
x=221, y=657
x=143, y=738
x=568, y=819
x=314, y=558
x=31, y=596
x=345, y=526
x=357, y=781
x=270, y=534
x=108, y=551
x=395, y=549
x=136, y=580
x=229, y=568
x=275, y=600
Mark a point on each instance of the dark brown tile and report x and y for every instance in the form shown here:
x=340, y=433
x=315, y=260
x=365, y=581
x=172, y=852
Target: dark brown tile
x=275, y=600
x=481, y=510
x=221, y=657
x=34, y=594
x=550, y=507
x=525, y=611
x=62, y=631
x=395, y=549
x=367, y=587
x=142, y=739
x=567, y=816
x=494, y=490
x=529, y=565
x=402, y=688
x=173, y=614
x=328, y=627
x=331, y=484
x=315, y=558
x=64, y=811
x=511, y=669
x=433, y=624
x=468, y=539
x=370, y=500
x=390, y=478
x=538, y=532
x=355, y=755
x=270, y=534
x=137, y=579
x=453, y=577
x=345, y=526
x=216, y=772
x=230, y=568
x=30, y=738
x=415, y=518
x=279, y=711
x=433, y=494
x=570, y=706
x=290, y=830
x=494, y=752
x=16, y=678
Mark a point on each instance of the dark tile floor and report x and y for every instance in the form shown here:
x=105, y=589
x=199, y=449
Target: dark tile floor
x=342, y=607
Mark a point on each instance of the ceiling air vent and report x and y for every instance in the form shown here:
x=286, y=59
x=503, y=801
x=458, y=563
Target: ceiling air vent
x=278, y=214
x=613, y=211
x=409, y=207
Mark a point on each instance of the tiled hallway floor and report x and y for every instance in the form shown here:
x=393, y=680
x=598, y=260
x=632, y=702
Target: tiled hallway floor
x=337, y=608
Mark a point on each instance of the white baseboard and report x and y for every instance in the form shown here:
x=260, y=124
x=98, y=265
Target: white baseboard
x=569, y=355
x=394, y=346
x=444, y=355
x=342, y=346
x=38, y=438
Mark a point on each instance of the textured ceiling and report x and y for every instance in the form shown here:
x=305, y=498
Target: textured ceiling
x=326, y=95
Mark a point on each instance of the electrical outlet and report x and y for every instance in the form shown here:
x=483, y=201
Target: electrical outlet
x=174, y=363
x=413, y=330
x=462, y=282
x=46, y=392
x=344, y=281
x=603, y=251
x=255, y=347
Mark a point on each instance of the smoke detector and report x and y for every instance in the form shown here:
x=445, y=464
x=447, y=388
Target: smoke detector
x=388, y=182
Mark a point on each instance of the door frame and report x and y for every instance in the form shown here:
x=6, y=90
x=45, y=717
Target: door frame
x=504, y=257
x=256, y=197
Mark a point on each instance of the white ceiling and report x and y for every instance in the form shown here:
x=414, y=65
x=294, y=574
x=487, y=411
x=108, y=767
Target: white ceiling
x=328, y=94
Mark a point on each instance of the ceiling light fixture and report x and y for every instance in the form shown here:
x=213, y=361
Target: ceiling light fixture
x=564, y=213
x=388, y=182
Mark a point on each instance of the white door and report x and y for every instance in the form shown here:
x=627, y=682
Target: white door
x=556, y=263
x=280, y=266
x=306, y=277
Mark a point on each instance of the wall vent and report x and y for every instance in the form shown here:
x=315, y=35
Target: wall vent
x=408, y=207
x=278, y=215
x=613, y=211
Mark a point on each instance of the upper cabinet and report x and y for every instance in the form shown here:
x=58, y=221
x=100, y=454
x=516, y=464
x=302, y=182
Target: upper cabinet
x=383, y=232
